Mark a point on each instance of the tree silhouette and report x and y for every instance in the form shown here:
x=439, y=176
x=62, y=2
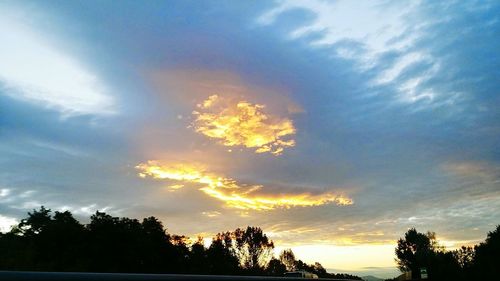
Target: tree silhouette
x=276, y=267
x=486, y=265
x=319, y=269
x=466, y=263
x=253, y=248
x=198, y=257
x=55, y=242
x=465, y=256
x=287, y=257
x=221, y=255
x=36, y=222
x=155, y=246
x=107, y=236
x=46, y=241
x=415, y=251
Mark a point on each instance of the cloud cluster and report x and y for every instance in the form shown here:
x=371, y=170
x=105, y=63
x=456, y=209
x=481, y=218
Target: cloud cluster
x=487, y=172
x=366, y=32
x=241, y=123
x=234, y=194
x=6, y=223
x=35, y=71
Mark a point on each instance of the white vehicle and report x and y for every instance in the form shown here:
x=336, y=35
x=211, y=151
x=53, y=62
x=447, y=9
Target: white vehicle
x=301, y=274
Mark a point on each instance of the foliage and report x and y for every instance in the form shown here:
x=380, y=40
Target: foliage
x=487, y=255
x=276, y=267
x=418, y=250
x=221, y=256
x=287, y=257
x=465, y=256
x=46, y=241
x=253, y=248
x=414, y=251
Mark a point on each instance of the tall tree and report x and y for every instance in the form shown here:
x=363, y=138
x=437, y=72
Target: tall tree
x=287, y=257
x=221, y=255
x=253, y=248
x=414, y=251
x=465, y=256
x=275, y=267
x=487, y=256
x=155, y=246
x=47, y=241
x=198, y=257
x=36, y=222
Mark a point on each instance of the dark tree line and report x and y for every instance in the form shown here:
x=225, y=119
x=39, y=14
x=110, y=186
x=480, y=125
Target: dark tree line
x=421, y=250
x=46, y=241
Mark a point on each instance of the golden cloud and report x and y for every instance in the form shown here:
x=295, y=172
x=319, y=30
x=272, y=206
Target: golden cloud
x=237, y=123
x=211, y=214
x=235, y=195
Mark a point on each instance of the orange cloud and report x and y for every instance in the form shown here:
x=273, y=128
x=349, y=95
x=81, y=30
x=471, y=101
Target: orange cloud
x=235, y=195
x=242, y=123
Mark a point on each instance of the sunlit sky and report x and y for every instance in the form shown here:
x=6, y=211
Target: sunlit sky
x=333, y=125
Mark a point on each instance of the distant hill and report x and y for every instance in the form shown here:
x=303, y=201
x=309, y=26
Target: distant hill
x=371, y=278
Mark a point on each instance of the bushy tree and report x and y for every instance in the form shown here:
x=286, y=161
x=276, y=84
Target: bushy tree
x=287, y=257
x=275, y=268
x=221, y=255
x=465, y=257
x=156, y=247
x=487, y=256
x=56, y=241
x=36, y=222
x=198, y=260
x=253, y=248
x=414, y=251
x=418, y=250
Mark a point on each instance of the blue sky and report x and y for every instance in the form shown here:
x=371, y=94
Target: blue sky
x=379, y=115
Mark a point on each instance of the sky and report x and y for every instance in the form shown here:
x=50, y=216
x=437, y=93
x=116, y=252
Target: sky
x=333, y=125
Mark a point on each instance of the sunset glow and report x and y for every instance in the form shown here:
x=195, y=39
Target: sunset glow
x=241, y=123
x=333, y=125
x=235, y=195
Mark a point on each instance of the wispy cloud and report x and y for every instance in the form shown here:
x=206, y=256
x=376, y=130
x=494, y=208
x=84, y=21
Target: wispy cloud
x=373, y=23
x=364, y=32
x=356, y=69
x=34, y=70
x=211, y=214
x=4, y=192
x=233, y=193
x=487, y=172
x=6, y=223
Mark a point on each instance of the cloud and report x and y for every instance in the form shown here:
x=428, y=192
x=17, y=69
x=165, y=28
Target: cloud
x=211, y=214
x=487, y=172
x=364, y=32
x=4, y=192
x=234, y=194
x=241, y=123
x=87, y=210
x=35, y=71
x=6, y=223
x=395, y=70
x=352, y=135
x=477, y=183
x=371, y=22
